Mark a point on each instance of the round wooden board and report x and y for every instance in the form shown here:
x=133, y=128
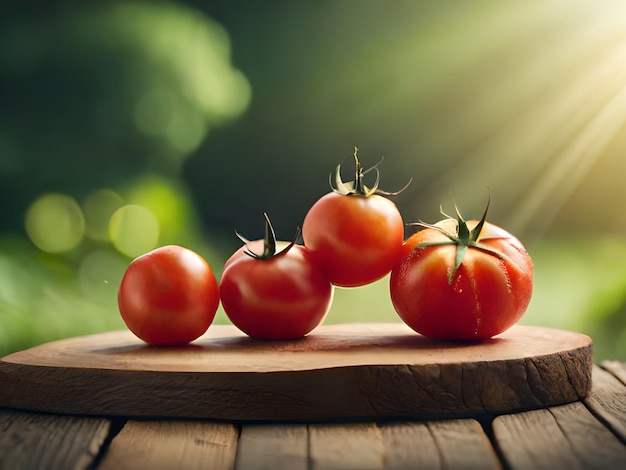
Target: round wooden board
x=348, y=371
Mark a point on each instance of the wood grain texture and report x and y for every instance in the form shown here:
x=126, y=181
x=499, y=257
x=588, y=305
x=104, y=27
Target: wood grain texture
x=608, y=397
x=346, y=446
x=463, y=444
x=563, y=437
x=410, y=445
x=338, y=371
x=172, y=444
x=437, y=445
x=618, y=369
x=36, y=441
x=270, y=447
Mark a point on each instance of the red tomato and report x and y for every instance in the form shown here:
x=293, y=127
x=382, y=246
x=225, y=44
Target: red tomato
x=168, y=296
x=274, y=296
x=469, y=289
x=354, y=233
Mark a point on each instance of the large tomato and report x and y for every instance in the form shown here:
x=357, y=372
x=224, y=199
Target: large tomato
x=274, y=295
x=168, y=296
x=462, y=280
x=354, y=232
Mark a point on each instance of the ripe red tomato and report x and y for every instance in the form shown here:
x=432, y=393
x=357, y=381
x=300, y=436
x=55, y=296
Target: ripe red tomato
x=354, y=232
x=168, y=296
x=274, y=296
x=462, y=280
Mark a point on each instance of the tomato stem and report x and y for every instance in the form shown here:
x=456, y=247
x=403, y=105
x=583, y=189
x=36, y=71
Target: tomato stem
x=269, y=242
x=463, y=239
x=358, y=187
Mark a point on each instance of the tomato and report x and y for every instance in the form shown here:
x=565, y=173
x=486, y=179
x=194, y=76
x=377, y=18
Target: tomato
x=274, y=295
x=462, y=280
x=354, y=232
x=168, y=296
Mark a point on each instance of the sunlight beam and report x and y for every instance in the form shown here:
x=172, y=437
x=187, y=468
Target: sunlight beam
x=554, y=187
x=535, y=160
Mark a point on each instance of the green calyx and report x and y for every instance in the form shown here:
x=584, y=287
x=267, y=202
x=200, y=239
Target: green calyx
x=463, y=239
x=269, y=242
x=358, y=186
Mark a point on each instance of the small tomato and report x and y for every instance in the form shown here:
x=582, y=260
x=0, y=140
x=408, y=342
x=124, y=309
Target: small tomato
x=168, y=296
x=354, y=233
x=274, y=295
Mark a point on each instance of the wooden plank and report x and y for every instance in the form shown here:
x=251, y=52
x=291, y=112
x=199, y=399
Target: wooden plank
x=533, y=440
x=29, y=440
x=173, y=444
x=462, y=443
x=270, y=447
x=617, y=368
x=338, y=371
x=354, y=445
x=410, y=445
x=593, y=443
x=567, y=436
x=608, y=397
x=437, y=445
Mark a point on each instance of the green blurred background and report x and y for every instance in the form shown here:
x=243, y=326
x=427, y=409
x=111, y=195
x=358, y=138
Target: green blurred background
x=129, y=125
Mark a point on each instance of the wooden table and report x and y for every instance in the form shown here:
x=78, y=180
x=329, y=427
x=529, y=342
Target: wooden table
x=588, y=433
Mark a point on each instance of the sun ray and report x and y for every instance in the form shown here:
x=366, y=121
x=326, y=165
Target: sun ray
x=537, y=158
x=562, y=177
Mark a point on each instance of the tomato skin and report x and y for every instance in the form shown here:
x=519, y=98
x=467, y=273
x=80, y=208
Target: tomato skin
x=356, y=239
x=279, y=298
x=168, y=296
x=487, y=295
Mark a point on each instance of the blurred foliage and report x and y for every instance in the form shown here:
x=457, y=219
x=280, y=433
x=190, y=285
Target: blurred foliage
x=95, y=94
x=130, y=124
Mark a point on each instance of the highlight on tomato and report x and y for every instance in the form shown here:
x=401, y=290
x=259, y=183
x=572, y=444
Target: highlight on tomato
x=273, y=294
x=354, y=232
x=462, y=280
x=168, y=296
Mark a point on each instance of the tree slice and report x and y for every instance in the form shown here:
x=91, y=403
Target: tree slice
x=337, y=372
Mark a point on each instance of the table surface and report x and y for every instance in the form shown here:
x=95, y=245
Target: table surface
x=586, y=434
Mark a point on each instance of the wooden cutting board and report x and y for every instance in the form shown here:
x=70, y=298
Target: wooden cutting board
x=342, y=371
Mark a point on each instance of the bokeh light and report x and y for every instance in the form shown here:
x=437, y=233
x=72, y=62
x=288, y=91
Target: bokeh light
x=98, y=207
x=133, y=230
x=169, y=201
x=55, y=223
